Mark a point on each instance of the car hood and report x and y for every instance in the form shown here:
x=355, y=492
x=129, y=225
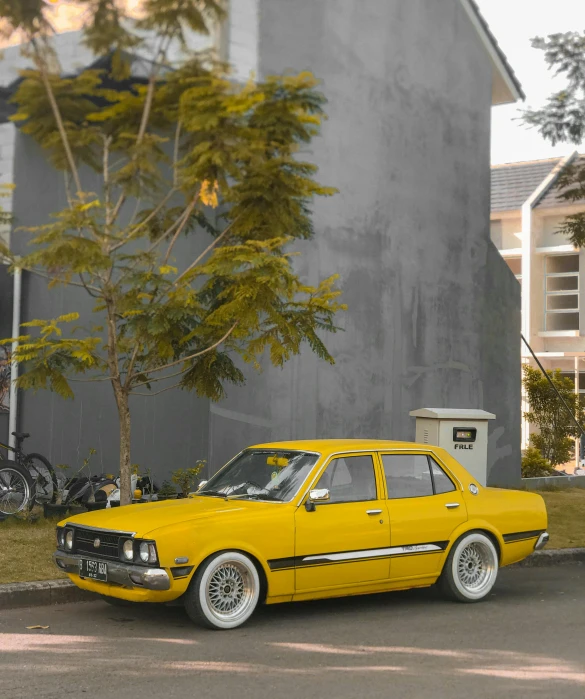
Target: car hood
x=146, y=517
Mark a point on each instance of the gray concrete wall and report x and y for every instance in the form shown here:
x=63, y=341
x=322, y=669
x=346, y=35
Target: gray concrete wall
x=433, y=316
x=169, y=431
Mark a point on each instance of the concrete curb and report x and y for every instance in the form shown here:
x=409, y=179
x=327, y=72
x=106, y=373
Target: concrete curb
x=552, y=557
x=41, y=593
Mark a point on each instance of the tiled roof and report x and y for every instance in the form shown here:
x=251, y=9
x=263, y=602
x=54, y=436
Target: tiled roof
x=512, y=184
x=551, y=199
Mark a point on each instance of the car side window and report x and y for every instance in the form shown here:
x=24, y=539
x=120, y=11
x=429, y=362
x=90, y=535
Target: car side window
x=441, y=481
x=350, y=479
x=407, y=475
x=414, y=476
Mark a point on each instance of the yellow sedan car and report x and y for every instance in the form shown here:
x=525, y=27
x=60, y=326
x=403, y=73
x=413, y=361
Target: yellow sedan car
x=306, y=520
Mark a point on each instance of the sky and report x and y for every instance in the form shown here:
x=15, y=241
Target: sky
x=514, y=23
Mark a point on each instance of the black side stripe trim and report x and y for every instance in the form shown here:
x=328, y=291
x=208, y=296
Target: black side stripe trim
x=337, y=557
x=521, y=536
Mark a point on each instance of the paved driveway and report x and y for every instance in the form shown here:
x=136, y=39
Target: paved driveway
x=527, y=641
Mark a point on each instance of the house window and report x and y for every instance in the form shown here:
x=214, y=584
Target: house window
x=561, y=291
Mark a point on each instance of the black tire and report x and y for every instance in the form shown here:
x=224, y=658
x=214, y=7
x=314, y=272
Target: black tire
x=43, y=473
x=224, y=592
x=471, y=568
x=21, y=495
x=117, y=602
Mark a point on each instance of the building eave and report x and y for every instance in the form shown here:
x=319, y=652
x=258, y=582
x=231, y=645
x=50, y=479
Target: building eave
x=506, y=88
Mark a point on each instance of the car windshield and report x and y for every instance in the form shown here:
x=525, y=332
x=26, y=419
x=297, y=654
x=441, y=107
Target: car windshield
x=262, y=474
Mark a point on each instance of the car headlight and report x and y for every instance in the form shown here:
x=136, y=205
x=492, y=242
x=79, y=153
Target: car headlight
x=148, y=552
x=128, y=550
x=60, y=538
x=69, y=539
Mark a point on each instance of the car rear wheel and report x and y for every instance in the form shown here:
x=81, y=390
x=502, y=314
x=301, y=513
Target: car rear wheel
x=471, y=568
x=224, y=591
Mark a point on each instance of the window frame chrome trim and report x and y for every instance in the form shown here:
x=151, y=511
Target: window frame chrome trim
x=379, y=453
x=326, y=463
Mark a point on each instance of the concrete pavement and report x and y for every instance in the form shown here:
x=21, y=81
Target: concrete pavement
x=528, y=640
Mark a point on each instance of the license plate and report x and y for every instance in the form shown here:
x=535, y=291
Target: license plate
x=96, y=570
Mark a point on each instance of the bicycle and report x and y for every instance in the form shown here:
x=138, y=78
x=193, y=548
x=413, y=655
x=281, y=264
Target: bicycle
x=43, y=482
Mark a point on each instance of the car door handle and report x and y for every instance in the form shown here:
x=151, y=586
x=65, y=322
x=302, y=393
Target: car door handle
x=452, y=505
x=373, y=512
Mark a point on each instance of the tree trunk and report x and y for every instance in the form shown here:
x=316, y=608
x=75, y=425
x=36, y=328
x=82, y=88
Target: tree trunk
x=122, y=402
x=125, y=462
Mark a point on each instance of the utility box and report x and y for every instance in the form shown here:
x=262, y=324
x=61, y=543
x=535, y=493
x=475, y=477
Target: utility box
x=463, y=433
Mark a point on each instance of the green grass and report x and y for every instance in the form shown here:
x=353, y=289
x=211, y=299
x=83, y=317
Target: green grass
x=26, y=547
x=566, y=517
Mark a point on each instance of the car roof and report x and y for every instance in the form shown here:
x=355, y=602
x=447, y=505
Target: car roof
x=330, y=446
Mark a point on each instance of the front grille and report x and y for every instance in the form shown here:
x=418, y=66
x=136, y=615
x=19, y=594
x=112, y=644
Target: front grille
x=84, y=542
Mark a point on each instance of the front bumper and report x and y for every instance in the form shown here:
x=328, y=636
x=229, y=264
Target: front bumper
x=542, y=541
x=119, y=573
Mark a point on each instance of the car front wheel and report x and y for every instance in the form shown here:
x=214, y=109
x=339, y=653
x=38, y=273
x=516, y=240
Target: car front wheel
x=224, y=591
x=471, y=568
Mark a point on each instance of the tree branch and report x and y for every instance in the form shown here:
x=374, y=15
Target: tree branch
x=149, y=218
x=185, y=218
x=87, y=287
x=161, y=53
x=204, y=253
x=131, y=364
x=57, y=114
x=106, y=169
x=62, y=281
x=135, y=212
x=156, y=393
x=192, y=356
x=162, y=378
x=176, y=153
x=99, y=378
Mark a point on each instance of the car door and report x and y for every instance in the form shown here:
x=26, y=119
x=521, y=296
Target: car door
x=345, y=540
x=426, y=505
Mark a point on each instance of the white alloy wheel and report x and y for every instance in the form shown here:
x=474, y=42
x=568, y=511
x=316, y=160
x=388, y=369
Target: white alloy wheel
x=471, y=568
x=224, y=592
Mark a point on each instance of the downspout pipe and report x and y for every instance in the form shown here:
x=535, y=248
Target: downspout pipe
x=16, y=310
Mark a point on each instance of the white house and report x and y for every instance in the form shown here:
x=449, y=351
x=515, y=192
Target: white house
x=526, y=214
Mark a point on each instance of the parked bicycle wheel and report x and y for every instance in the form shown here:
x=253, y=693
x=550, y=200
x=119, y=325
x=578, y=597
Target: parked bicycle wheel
x=44, y=477
x=16, y=488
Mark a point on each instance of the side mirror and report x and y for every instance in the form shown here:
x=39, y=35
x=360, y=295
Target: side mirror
x=315, y=496
x=201, y=484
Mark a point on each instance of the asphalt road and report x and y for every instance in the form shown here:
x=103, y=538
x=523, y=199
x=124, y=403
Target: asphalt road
x=528, y=640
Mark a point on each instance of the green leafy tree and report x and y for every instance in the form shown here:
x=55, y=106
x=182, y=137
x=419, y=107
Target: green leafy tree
x=562, y=119
x=556, y=430
x=180, y=151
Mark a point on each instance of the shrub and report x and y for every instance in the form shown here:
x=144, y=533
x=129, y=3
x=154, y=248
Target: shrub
x=534, y=465
x=187, y=478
